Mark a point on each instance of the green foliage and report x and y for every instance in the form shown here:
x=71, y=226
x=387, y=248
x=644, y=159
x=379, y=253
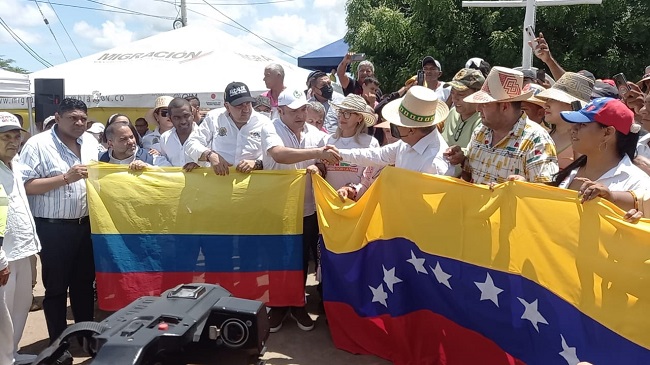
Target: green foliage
x=397, y=34
x=5, y=64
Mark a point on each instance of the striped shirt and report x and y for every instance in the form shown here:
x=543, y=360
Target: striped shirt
x=527, y=150
x=44, y=155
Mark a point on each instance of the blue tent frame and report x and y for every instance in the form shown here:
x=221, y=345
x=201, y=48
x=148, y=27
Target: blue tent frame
x=325, y=58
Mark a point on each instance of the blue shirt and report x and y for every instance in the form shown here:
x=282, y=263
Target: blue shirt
x=44, y=155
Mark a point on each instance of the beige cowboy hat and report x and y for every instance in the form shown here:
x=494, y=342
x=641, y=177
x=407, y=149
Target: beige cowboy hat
x=502, y=85
x=357, y=104
x=161, y=102
x=419, y=108
x=569, y=88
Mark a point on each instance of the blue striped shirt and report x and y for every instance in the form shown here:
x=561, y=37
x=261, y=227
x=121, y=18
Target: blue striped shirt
x=44, y=155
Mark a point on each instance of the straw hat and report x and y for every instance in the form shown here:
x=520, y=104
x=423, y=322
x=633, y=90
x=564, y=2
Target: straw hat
x=537, y=89
x=419, y=108
x=502, y=85
x=383, y=125
x=357, y=104
x=641, y=83
x=161, y=102
x=569, y=88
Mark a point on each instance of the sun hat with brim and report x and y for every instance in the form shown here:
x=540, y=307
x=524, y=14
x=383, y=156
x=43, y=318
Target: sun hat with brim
x=569, y=88
x=641, y=83
x=536, y=90
x=502, y=85
x=606, y=111
x=161, y=102
x=383, y=125
x=419, y=108
x=9, y=122
x=357, y=104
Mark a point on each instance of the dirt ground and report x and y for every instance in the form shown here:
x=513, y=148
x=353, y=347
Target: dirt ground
x=287, y=347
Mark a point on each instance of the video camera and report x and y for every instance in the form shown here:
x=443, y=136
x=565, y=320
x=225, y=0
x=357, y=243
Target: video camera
x=152, y=329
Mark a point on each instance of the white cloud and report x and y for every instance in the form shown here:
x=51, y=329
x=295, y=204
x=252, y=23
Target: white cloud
x=110, y=35
x=330, y=4
x=290, y=5
x=23, y=14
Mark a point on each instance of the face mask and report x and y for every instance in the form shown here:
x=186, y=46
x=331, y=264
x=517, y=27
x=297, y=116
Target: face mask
x=326, y=91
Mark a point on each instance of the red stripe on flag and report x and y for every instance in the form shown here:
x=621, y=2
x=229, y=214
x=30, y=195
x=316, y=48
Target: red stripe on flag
x=400, y=339
x=275, y=288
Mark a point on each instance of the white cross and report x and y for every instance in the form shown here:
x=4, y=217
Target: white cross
x=531, y=6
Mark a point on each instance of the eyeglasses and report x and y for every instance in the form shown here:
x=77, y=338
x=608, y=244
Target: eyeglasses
x=163, y=112
x=346, y=114
x=459, y=130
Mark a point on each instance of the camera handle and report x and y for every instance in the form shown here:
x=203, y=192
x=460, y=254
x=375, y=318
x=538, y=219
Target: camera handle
x=58, y=347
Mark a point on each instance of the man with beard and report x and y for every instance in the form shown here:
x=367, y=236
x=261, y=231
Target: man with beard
x=123, y=148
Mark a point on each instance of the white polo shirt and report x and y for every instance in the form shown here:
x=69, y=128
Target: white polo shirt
x=424, y=156
x=219, y=133
x=278, y=134
x=172, y=151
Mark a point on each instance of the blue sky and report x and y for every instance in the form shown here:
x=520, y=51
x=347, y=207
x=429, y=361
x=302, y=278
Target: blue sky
x=300, y=26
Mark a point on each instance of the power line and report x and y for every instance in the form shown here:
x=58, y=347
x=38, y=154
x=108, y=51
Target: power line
x=63, y=25
x=24, y=45
x=130, y=12
x=119, y=8
x=51, y=31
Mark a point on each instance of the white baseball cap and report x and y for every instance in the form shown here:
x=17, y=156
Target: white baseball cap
x=9, y=122
x=292, y=98
x=96, y=127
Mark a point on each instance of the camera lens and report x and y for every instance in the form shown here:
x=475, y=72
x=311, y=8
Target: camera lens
x=234, y=333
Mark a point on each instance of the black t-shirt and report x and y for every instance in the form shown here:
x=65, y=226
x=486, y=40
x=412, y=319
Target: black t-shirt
x=354, y=87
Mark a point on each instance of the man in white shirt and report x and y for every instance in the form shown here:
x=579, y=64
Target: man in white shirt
x=432, y=72
x=230, y=135
x=20, y=242
x=290, y=143
x=158, y=117
x=413, y=120
x=173, y=142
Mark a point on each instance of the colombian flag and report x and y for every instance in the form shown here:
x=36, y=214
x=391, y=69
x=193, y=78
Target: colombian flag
x=430, y=270
x=155, y=229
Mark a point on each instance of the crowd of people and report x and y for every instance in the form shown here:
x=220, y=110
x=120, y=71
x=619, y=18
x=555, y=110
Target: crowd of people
x=487, y=125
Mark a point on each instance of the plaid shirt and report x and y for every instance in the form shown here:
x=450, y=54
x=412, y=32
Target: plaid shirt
x=527, y=150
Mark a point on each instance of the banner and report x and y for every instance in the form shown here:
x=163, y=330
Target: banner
x=430, y=270
x=155, y=229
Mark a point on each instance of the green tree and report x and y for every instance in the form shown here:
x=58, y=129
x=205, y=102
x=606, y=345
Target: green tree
x=5, y=64
x=397, y=34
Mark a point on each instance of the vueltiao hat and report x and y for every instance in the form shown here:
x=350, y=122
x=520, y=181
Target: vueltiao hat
x=419, y=108
x=502, y=85
x=569, y=88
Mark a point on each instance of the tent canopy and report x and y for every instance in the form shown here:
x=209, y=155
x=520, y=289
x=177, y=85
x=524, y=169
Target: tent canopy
x=13, y=85
x=192, y=60
x=325, y=58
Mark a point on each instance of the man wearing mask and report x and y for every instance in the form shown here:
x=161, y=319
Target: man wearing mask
x=229, y=135
x=321, y=90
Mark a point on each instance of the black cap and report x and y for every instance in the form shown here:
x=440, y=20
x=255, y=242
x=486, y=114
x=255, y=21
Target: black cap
x=604, y=90
x=237, y=93
x=587, y=74
x=314, y=75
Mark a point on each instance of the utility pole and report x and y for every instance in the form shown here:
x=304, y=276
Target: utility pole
x=183, y=13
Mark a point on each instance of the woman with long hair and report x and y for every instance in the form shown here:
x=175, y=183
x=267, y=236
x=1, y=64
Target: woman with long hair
x=571, y=87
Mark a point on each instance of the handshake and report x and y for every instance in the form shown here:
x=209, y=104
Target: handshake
x=329, y=155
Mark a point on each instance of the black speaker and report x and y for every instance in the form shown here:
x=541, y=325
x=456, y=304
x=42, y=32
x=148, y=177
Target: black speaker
x=48, y=93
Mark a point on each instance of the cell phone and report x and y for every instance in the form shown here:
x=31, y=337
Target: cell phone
x=621, y=83
x=358, y=57
x=576, y=106
x=530, y=31
x=420, y=78
x=541, y=74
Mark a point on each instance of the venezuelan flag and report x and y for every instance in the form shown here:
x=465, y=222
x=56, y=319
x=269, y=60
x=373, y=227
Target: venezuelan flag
x=429, y=270
x=159, y=228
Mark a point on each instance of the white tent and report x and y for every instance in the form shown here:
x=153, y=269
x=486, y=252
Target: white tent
x=14, y=90
x=187, y=61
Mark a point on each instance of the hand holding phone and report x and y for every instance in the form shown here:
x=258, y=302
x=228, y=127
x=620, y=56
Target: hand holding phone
x=420, y=78
x=621, y=84
x=541, y=75
x=531, y=34
x=358, y=57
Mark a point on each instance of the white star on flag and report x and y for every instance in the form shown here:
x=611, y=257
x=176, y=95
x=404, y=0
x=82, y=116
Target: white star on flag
x=379, y=295
x=441, y=276
x=489, y=291
x=417, y=263
x=532, y=314
x=569, y=353
x=389, y=278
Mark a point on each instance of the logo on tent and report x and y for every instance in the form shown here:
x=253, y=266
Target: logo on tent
x=156, y=55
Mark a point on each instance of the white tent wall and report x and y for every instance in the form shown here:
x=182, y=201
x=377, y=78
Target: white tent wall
x=188, y=61
x=14, y=90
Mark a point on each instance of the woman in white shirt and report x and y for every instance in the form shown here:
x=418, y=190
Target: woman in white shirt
x=354, y=118
x=605, y=134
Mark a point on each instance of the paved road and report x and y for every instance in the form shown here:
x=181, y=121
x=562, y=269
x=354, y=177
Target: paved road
x=287, y=347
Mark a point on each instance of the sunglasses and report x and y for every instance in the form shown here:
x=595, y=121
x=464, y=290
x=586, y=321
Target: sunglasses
x=394, y=131
x=163, y=112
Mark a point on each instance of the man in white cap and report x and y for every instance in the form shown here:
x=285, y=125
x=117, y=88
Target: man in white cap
x=432, y=72
x=413, y=121
x=158, y=117
x=290, y=143
x=18, y=242
x=230, y=135
x=506, y=144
